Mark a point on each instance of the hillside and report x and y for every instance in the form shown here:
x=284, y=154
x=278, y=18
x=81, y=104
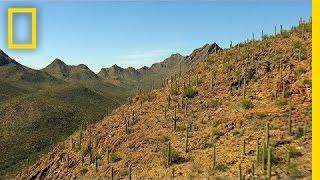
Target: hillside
x=38, y=110
x=238, y=108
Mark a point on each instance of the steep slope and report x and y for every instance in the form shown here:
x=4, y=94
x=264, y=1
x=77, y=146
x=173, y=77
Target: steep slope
x=239, y=100
x=38, y=110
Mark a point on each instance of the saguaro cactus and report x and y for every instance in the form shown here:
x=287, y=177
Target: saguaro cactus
x=257, y=153
x=240, y=172
x=244, y=147
x=267, y=134
x=269, y=164
x=214, y=155
x=169, y=154
x=186, y=140
x=112, y=173
x=290, y=117
x=244, y=88
x=96, y=162
x=175, y=118
x=108, y=155
x=129, y=169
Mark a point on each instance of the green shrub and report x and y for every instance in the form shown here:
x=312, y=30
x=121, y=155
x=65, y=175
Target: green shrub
x=281, y=102
x=293, y=152
x=175, y=158
x=174, y=90
x=285, y=33
x=301, y=70
x=297, y=44
x=299, y=133
x=221, y=167
x=216, y=132
x=293, y=171
x=189, y=92
x=215, y=103
x=262, y=115
x=114, y=157
x=246, y=104
x=83, y=171
x=148, y=96
x=307, y=82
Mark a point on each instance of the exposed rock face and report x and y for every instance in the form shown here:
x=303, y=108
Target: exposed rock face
x=203, y=51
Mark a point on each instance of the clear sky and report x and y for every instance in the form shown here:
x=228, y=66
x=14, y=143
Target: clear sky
x=137, y=33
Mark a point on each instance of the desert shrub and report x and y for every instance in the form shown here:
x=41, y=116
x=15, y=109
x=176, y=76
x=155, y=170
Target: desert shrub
x=221, y=167
x=175, y=158
x=298, y=133
x=285, y=33
x=216, y=132
x=123, y=172
x=307, y=82
x=265, y=36
x=189, y=92
x=215, y=103
x=293, y=171
x=148, y=96
x=114, y=157
x=83, y=171
x=262, y=115
x=301, y=70
x=293, y=152
x=297, y=44
x=281, y=102
x=246, y=104
x=174, y=90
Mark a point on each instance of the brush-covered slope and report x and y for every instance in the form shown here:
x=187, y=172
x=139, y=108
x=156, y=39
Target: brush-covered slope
x=38, y=110
x=233, y=96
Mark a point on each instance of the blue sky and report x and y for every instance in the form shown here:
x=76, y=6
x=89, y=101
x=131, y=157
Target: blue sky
x=137, y=33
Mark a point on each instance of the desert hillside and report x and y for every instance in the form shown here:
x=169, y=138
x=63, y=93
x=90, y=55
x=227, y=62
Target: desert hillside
x=239, y=112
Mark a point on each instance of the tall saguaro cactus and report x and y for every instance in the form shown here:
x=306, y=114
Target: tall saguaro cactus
x=169, y=153
x=186, y=140
x=269, y=164
x=214, y=155
x=290, y=116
